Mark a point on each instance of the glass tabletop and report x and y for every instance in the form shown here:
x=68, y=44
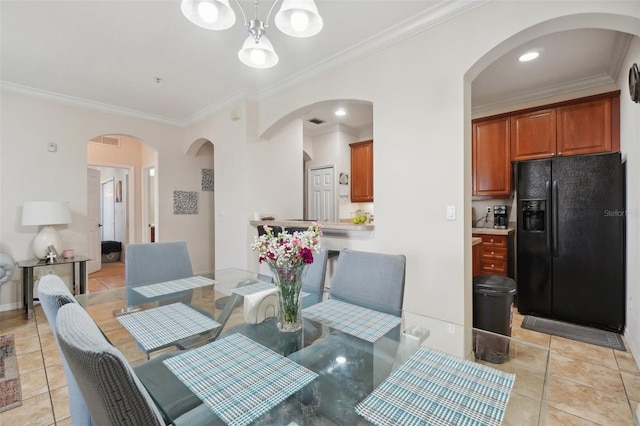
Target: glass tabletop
x=327, y=373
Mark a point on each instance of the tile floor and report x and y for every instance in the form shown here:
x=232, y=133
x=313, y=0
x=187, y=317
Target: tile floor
x=588, y=385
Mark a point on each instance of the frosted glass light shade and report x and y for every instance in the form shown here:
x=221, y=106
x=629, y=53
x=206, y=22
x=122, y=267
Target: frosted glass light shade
x=258, y=54
x=46, y=213
x=299, y=18
x=209, y=14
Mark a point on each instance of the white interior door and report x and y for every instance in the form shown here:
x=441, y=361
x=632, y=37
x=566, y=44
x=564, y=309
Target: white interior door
x=108, y=214
x=321, y=196
x=93, y=219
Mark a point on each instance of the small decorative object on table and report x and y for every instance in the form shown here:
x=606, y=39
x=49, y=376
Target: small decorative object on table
x=288, y=256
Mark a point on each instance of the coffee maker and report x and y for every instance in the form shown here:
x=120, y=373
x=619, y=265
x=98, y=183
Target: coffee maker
x=500, y=217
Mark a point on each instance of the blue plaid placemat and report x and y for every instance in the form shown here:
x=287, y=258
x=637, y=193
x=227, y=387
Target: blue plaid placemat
x=173, y=286
x=363, y=323
x=163, y=326
x=238, y=378
x=436, y=388
x=253, y=288
x=260, y=286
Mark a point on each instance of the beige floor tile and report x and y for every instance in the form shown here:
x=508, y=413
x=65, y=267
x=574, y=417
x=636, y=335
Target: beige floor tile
x=95, y=285
x=27, y=344
x=632, y=385
x=584, y=351
x=47, y=340
x=560, y=418
x=626, y=362
x=521, y=411
x=55, y=376
x=586, y=373
x=64, y=422
x=19, y=328
x=60, y=399
x=531, y=336
x=34, y=383
x=51, y=356
x=33, y=411
x=30, y=362
x=16, y=313
x=583, y=401
x=528, y=383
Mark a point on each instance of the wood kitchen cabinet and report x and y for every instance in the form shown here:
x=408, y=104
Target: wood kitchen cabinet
x=362, y=171
x=496, y=254
x=491, y=160
x=582, y=126
x=533, y=135
x=587, y=128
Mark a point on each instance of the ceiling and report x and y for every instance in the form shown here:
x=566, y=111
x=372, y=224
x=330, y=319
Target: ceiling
x=144, y=58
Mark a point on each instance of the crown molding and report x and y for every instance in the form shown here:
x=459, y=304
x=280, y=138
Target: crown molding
x=431, y=17
x=84, y=103
x=573, y=86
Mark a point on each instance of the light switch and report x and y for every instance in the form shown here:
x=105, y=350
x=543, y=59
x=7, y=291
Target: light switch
x=451, y=212
x=53, y=147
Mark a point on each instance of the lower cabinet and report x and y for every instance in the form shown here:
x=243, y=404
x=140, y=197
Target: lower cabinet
x=495, y=255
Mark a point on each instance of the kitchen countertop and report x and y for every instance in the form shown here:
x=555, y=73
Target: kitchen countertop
x=475, y=241
x=326, y=226
x=492, y=231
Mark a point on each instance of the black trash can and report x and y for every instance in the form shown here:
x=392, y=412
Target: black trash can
x=493, y=297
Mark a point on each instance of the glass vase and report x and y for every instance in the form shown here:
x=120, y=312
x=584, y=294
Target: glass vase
x=289, y=283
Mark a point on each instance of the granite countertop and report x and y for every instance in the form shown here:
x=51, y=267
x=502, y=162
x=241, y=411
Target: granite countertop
x=475, y=241
x=492, y=231
x=344, y=226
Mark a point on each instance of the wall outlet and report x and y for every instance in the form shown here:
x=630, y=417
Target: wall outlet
x=488, y=209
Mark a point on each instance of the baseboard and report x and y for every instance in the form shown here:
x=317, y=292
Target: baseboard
x=10, y=306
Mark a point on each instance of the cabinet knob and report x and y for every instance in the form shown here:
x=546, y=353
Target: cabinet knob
x=493, y=253
x=493, y=266
x=491, y=240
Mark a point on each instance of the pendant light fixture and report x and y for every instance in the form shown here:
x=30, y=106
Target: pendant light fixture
x=296, y=18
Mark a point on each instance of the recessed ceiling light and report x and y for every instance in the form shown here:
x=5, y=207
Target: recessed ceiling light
x=529, y=56
x=340, y=112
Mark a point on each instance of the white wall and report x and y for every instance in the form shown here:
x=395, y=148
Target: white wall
x=630, y=147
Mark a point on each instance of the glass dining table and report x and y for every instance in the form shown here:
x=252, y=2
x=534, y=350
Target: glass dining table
x=215, y=337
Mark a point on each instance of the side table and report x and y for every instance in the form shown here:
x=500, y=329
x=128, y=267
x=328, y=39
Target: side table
x=27, y=277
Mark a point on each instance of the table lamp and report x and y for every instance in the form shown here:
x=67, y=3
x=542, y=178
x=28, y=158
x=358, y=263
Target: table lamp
x=45, y=214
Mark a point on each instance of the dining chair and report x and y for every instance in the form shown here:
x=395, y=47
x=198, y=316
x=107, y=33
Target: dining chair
x=110, y=386
x=370, y=280
x=150, y=263
x=53, y=293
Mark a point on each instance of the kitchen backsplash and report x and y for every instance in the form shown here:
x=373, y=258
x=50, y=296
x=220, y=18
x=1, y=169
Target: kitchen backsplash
x=479, y=211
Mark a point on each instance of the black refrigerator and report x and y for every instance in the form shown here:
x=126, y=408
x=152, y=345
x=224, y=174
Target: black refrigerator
x=571, y=239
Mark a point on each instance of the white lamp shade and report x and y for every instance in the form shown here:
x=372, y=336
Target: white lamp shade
x=299, y=18
x=46, y=213
x=209, y=14
x=258, y=54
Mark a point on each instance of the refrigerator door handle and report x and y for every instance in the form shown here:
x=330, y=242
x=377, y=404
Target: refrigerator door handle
x=554, y=224
x=547, y=216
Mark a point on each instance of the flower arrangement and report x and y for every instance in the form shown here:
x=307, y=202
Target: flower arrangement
x=288, y=256
x=287, y=250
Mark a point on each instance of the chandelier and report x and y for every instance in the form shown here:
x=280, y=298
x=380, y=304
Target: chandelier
x=296, y=18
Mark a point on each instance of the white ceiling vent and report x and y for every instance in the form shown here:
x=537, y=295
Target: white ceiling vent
x=107, y=140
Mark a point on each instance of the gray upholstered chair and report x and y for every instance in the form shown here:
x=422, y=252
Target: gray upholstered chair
x=313, y=282
x=371, y=280
x=110, y=386
x=53, y=294
x=150, y=263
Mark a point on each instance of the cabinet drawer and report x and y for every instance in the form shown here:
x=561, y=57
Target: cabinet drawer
x=496, y=253
x=489, y=266
x=494, y=240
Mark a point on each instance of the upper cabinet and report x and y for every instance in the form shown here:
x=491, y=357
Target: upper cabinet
x=491, y=164
x=581, y=126
x=533, y=135
x=362, y=171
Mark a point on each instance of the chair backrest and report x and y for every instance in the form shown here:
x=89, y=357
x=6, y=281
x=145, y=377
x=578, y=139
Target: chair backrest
x=108, y=384
x=150, y=263
x=313, y=282
x=371, y=280
x=53, y=294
